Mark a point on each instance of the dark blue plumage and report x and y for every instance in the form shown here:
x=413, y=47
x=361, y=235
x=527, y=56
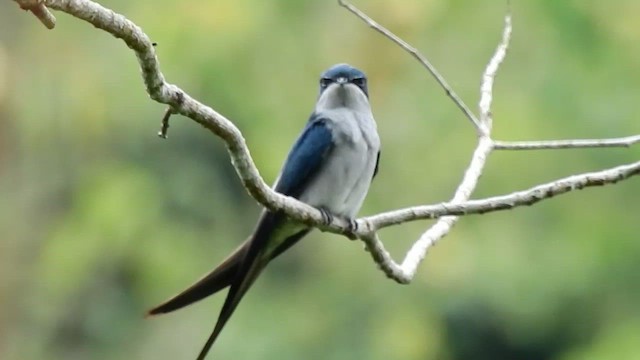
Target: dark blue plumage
x=306, y=157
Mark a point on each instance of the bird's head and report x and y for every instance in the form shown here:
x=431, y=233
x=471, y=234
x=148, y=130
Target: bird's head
x=342, y=85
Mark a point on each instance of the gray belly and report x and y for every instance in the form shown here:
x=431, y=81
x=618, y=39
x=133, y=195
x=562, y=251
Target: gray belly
x=342, y=184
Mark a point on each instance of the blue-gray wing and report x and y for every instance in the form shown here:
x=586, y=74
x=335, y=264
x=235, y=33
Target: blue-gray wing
x=306, y=158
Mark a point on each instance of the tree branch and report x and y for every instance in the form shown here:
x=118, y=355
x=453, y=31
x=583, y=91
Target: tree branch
x=505, y=202
x=567, y=144
x=39, y=10
x=486, y=87
x=405, y=272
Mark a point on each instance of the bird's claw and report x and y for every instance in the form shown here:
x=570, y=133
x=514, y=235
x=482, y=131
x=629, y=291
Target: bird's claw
x=327, y=217
x=352, y=224
x=352, y=229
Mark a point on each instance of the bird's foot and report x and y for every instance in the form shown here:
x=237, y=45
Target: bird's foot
x=327, y=217
x=352, y=224
x=352, y=228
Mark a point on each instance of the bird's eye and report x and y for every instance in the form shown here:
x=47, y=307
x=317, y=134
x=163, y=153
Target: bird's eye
x=324, y=82
x=359, y=82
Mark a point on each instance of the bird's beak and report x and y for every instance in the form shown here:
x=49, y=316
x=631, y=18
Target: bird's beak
x=341, y=80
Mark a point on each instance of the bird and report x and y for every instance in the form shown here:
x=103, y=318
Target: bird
x=330, y=167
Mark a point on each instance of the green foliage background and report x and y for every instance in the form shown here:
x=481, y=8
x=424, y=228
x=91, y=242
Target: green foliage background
x=99, y=219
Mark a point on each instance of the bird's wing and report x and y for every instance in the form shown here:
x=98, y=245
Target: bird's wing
x=306, y=157
x=305, y=161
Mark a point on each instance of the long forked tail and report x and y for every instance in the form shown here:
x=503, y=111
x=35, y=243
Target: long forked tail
x=245, y=278
x=258, y=255
x=218, y=279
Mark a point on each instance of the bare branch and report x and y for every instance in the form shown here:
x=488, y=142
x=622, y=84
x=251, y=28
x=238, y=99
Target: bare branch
x=164, y=124
x=441, y=228
x=505, y=202
x=567, y=144
x=421, y=58
x=39, y=10
x=384, y=260
x=405, y=272
x=486, y=88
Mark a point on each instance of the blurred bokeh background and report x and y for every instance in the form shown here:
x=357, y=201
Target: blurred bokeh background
x=100, y=219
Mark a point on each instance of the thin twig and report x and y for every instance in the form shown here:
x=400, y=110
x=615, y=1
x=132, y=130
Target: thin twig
x=486, y=87
x=421, y=58
x=164, y=125
x=40, y=11
x=626, y=141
